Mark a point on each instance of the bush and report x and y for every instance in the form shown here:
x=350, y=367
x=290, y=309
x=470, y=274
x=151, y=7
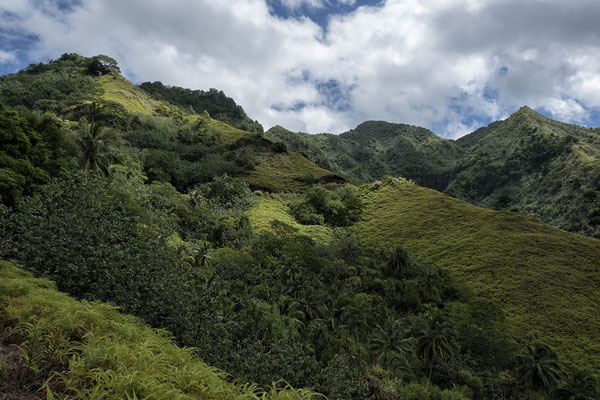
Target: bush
x=341, y=207
x=78, y=232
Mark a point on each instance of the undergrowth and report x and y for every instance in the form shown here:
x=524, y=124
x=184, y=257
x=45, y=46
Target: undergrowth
x=67, y=349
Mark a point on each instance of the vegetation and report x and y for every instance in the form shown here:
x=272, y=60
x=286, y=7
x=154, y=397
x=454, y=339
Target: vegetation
x=55, y=347
x=271, y=268
x=528, y=162
x=522, y=265
x=341, y=207
x=214, y=102
x=376, y=149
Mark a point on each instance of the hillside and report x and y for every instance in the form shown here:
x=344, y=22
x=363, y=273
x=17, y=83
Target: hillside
x=545, y=168
x=546, y=281
x=375, y=149
x=53, y=345
x=273, y=268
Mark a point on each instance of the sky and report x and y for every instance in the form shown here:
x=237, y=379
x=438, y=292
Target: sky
x=327, y=65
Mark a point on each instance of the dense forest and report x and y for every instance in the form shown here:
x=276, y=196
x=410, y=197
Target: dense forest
x=242, y=255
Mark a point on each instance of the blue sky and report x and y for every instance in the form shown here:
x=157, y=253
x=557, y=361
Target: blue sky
x=318, y=11
x=327, y=65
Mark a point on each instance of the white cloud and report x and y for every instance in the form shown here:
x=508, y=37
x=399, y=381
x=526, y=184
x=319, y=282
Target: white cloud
x=7, y=56
x=444, y=64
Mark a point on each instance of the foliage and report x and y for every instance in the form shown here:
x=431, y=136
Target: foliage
x=21, y=156
x=341, y=207
x=214, y=101
x=83, y=234
x=538, y=368
x=75, y=350
x=436, y=339
x=94, y=143
x=544, y=280
x=102, y=65
x=50, y=87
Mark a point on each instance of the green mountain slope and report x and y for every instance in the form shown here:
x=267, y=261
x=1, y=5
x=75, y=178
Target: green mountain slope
x=547, y=281
x=545, y=168
x=53, y=345
x=196, y=229
x=375, y=149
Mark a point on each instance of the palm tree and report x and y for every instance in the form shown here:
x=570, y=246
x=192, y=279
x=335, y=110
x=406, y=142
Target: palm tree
x=538, y=368
x=581, y=386
x=429, y=283
x=95, y=148
x=436, y=339
x=399, y=263
x=391, y=348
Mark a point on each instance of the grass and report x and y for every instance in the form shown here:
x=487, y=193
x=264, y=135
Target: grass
x=275, y=208
x=118, y=89
x=547, y=281
x=102, y=354
x=135, y=100
x=287, y=172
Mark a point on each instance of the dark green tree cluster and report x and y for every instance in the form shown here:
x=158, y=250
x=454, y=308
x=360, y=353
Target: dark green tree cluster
x=186, y=154
x=31, y=146
x=54, y=87
x=340, y=207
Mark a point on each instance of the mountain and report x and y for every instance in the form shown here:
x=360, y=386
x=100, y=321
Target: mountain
x=545, y=168
x=542, y=167
x=274, y=269
x=376, y=149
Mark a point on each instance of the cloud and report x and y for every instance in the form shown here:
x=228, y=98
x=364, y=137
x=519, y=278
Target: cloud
x=449, y=65
x=7, y=56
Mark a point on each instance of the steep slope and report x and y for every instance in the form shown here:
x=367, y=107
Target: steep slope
x=546, y=168
x=53, y=345
x=73, y=88
x=375, y=149
x=547, y=281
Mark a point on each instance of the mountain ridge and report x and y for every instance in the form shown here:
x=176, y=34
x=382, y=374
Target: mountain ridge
x=498, y=166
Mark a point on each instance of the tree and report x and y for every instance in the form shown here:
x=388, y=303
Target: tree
x=21, y=155
x=95, y=148
x=102, y=65
x=581, y=386
x=538, y=368
x=399, y=263
x=391, y=348
x=436, y=339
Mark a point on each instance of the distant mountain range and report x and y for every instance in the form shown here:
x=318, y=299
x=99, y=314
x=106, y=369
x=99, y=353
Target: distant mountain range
x=527, y=162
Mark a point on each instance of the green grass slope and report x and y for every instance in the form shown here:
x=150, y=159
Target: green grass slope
x=118, y=89
x=52, y=345
x=287, y=172
x=271, y=208
x=547, y=281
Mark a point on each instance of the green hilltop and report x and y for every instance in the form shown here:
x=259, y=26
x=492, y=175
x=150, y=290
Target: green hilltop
x=226, y=248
